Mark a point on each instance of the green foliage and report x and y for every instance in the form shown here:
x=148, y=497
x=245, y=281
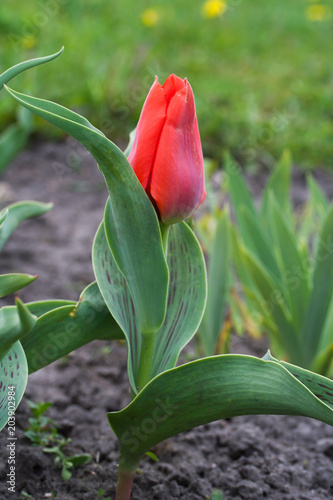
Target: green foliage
x=248, y=101
x=42, y=431
x=212, y=336
x=285, y=265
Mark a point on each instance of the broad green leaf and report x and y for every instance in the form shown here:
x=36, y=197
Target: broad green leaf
x=186, y=298
x=13, y=374
x=146, y=257
x=279, y=183
x=64, y=329
x=18, y=68
x=274, y=305
x=131, y=223
x=15, y=322
x=18, y=212
x=218, y=280
x=293, y=269
x=118, y=298
x=322, y=291
x=211, y=389
x=320, y=386
x=10, y=283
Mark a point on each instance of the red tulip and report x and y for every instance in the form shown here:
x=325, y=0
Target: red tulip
x=166, y=154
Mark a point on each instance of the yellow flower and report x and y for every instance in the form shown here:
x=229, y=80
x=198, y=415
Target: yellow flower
x=29, y=42
x=214, y=8
x=150, y=17
x=318, y=12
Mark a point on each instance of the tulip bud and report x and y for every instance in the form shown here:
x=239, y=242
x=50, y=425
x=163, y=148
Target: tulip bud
x=166, y=155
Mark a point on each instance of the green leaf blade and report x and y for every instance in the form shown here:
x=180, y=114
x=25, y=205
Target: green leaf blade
x=186, y=298
x=13, y=372
x=61, y=330
x=118, y=298
x=10, y=283
x=31, y=63
x=18, y=212
x=130, y=217
x=211, y=389
x=322, y=290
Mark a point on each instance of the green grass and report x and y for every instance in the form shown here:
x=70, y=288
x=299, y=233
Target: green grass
x=262, y=74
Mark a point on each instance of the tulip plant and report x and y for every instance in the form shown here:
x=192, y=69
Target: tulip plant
x=151, y=289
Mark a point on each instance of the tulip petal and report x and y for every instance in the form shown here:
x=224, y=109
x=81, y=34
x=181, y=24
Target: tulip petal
x=177, y=181
x=148, y=133
x=171, y=86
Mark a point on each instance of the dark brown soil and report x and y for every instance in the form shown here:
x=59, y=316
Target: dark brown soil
x=257, y=457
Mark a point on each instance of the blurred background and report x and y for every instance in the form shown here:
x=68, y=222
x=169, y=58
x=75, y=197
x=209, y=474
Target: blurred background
x=262, y=72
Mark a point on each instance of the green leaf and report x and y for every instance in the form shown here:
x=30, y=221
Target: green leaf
x=18, y=68
x=186, y=298
x=252, y=233
x=77, y=460
x=279, y=183
x=10, y=283
x=130, y=144
x=64, y=329
x=292, y=264
x=13, y=373
x=211, y=389
x=117, y=296
x=274, y=305
x=12, y=140
x=18, y=212
x=255, y=239
x=41, y=307
x=218, y=280
x=322, y=291
x=15, y=322
x=318, y=197
x=131, y=224
x=239, y=192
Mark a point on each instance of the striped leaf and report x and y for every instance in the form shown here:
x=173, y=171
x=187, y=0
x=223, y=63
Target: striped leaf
x=13, y=374
x=215, y=388
x=118, y=298
x=186, y=298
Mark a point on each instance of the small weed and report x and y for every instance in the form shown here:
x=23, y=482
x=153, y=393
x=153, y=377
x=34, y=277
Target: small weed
x=101, y=495
x=216, y=495
x=42, y=431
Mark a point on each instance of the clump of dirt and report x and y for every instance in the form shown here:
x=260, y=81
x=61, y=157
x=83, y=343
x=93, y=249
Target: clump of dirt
x=254, y=457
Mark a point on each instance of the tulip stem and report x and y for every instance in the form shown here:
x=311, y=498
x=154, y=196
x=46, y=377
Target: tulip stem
x=124, y=483
x=146, y=359
x=164, y=233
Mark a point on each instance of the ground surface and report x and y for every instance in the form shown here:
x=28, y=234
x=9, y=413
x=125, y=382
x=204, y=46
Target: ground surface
x=257, y=457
